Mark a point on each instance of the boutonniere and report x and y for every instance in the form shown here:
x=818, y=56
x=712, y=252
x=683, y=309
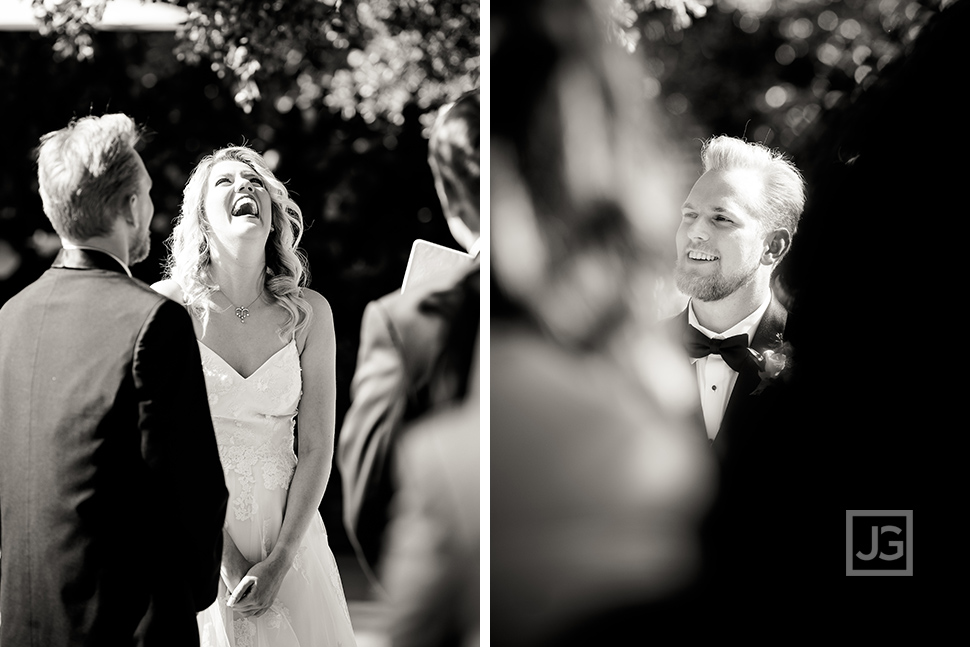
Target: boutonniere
x=773, y=362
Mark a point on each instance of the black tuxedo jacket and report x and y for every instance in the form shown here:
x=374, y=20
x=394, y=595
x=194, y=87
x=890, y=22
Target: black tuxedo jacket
x=112, y=496
x=745, y=414
x=415, y=354
x=747, y=529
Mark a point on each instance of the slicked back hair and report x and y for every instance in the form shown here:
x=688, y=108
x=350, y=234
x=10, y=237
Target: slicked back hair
x=783, y=197
x=86, y=171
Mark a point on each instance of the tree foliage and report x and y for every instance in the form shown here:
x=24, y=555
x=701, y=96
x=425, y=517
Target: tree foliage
x=765, y=69
x=367, y=58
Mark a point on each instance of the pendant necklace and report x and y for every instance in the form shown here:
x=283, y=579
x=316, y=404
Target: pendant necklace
x=243, y=311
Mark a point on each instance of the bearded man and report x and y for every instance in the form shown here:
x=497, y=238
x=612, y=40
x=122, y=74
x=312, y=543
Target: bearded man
x=737, y=224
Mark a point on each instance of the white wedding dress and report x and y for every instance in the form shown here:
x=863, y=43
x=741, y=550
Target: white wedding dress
x=254, y=420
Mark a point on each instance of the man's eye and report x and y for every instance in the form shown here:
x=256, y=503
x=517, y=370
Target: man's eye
x=722, y=219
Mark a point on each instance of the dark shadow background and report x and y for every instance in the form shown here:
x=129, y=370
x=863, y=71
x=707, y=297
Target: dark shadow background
x=878, y=281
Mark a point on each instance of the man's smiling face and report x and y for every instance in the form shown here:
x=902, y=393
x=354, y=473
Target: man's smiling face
x=721, y=240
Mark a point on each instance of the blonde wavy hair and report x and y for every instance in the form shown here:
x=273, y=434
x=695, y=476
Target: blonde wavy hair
x=287, y=271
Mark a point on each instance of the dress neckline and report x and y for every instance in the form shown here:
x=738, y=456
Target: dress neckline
x=292, y=342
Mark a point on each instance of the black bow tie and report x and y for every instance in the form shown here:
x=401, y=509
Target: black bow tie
x=734, y=350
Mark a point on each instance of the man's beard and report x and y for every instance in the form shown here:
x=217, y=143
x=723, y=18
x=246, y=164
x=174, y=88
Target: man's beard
x=139, y=246
x=711, y=287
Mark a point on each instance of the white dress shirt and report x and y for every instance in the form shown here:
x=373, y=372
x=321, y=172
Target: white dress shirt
x=715, y=379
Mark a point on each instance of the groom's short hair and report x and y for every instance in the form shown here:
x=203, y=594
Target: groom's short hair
x=84, y=170
x=783, y=198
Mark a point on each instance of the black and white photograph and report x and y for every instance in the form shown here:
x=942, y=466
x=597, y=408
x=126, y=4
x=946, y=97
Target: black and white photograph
x=254, y=393
x=227, y=419
x=714, y=288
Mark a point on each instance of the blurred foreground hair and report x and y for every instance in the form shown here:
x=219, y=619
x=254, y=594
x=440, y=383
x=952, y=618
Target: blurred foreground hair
x=453, y=154
x=582, y=189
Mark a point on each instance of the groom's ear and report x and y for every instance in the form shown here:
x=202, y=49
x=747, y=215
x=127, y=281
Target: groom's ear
x=777, y=244
x=127, y=208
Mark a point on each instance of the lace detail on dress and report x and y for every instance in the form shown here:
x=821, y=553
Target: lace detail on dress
x=278, y=469
x=277, y=614
x=277, y=465
x=254, y=421
x=244, y=631
x=299, y=565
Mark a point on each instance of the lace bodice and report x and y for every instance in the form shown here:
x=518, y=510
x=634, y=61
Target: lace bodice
x=253, y=419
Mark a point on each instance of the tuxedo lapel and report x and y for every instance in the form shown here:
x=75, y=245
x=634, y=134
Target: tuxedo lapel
x=772, y=325
x=766, y=335
x=737, y=405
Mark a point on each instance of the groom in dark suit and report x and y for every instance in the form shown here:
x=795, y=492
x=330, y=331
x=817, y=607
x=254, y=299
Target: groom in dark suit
x=737, y=224
x=112, y=496
x=415, y=348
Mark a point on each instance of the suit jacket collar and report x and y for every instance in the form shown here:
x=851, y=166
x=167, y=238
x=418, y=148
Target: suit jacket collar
x=88, y=259
x=772, y=324
x=768, y=334
x=765, y=336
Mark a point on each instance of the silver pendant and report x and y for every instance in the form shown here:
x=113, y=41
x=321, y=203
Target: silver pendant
x=242, y=313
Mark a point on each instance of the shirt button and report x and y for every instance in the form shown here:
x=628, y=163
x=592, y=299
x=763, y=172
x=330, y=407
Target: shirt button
x=713, y=387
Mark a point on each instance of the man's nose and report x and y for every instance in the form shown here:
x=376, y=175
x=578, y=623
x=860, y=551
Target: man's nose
x=698, y=230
